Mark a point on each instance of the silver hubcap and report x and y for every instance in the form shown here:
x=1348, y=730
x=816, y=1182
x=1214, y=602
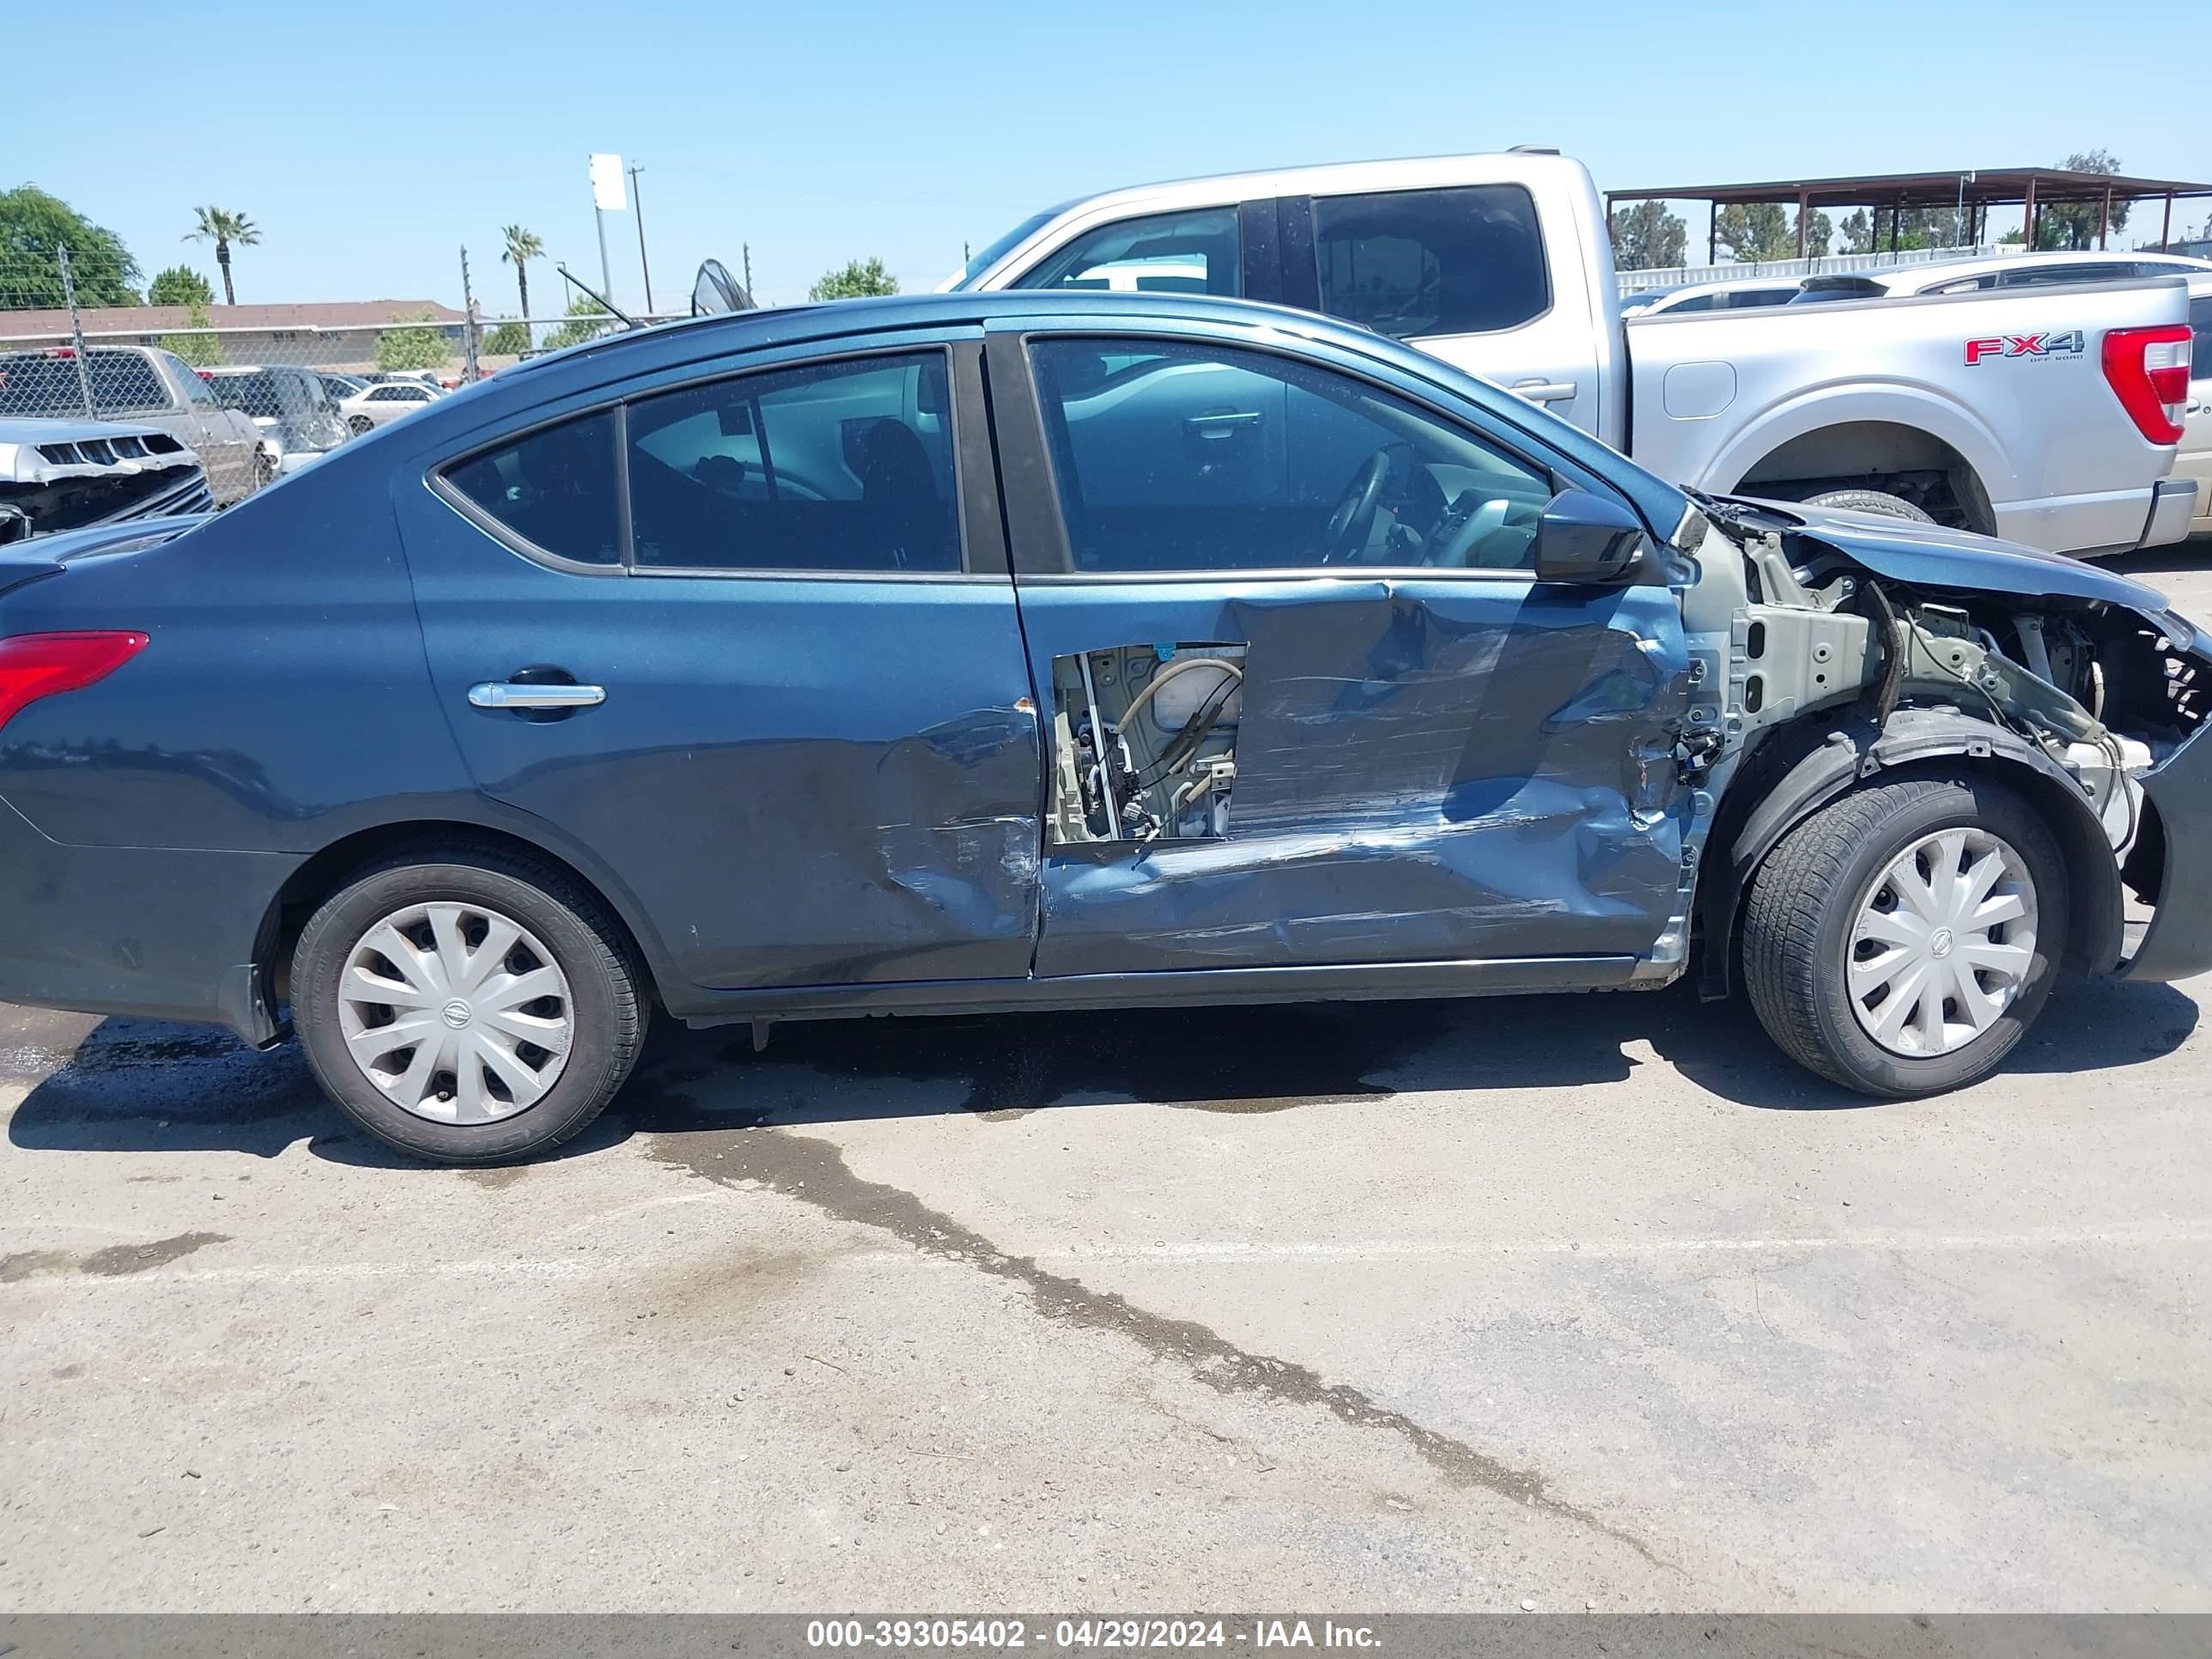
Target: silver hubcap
x=1942, y=943
x=457, y=1014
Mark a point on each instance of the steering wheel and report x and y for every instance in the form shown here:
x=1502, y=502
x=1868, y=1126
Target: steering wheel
x=1353, y=520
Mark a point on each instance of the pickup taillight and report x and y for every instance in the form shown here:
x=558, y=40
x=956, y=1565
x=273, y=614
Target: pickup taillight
x=2147, y=370
x=35, y=666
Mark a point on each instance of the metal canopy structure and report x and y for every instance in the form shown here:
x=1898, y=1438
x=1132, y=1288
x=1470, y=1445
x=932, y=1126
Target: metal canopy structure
x=1974, y=191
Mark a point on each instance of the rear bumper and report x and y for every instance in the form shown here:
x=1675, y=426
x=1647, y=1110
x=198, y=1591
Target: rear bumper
x=2179, y=944
x=2173, y=503
x=154, y=933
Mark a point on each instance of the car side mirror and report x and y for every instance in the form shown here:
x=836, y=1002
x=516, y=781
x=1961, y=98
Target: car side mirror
x=1588, y=539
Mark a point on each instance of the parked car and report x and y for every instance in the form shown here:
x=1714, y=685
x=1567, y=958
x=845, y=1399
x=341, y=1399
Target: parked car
x=1997, y=271
x=298, y=420
x=1005, y=651
x=387, y=400
x=149, y=386
x=340, y=386
x=2195, y=460
x=1502, y=265
x=1736, y=294
x=66, y=475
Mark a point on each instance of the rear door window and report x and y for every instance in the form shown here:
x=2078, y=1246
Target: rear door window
x=2200, y=334
x=556, y=489
x=1416, y=263
x=844, y=466
x=124, y=381
x=1196, y=252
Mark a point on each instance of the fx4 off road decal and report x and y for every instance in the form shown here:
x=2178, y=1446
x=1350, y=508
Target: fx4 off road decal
x=2073, y=343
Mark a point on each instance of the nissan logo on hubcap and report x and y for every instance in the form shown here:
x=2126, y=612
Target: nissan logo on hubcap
x=1939, y=944
x=457, y=1013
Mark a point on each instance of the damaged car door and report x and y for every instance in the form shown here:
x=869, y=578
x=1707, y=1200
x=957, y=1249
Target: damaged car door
x=1305, y=700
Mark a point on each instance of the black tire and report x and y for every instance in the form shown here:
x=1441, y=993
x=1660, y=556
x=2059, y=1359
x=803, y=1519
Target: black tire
x=1869, y=500
x=359, y=424
x=1803, y=907
x=609, y=1006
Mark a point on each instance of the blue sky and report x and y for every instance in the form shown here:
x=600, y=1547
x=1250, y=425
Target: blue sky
x=370, y=142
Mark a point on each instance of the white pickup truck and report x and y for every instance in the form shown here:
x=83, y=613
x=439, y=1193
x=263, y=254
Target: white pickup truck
x=2047, y=416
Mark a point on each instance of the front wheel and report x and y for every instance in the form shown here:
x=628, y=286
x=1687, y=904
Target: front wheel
x=1902, y=939
x=360, y=424
x=467, y=1006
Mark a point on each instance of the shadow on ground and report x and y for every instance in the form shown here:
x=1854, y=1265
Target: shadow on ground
x=128, y=1085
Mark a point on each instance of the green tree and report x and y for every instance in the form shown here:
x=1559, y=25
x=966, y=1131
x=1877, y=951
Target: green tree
x=581, y=308
x=420, y=347
x=2074, y=224
x=506, y=340
x=1760, y=231
x=223, y=227
x=1647, y=237
x=200, y=351
x=859, y=279
x=522, y=246
x=180, y=285
x=1858, y=231
x=32, y=227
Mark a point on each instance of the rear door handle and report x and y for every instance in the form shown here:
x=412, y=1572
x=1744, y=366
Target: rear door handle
x=1545, y=392
x=506, y=693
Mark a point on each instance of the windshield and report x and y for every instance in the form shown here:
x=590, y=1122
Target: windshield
x=986, y=256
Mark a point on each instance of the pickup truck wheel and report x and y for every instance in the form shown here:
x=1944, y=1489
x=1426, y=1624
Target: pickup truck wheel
x=466, y=1007
x=1869, y=500
x=1903, y=938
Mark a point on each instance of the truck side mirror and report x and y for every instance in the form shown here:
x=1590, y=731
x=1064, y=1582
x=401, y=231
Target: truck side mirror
x=1588, y=539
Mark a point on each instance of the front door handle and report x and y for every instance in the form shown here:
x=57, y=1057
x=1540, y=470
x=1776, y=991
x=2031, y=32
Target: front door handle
x=1545, y=392
x=507, y=694
x=1220, y=423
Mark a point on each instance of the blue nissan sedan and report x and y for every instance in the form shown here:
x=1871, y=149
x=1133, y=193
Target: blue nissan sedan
x=995, y=652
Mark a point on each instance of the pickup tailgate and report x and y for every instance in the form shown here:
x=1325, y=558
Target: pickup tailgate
x=2007, y=389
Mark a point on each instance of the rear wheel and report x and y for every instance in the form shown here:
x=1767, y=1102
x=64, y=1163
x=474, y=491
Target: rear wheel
x=1869, y=500
x=1901, y=940
x=360, y=424
x=466, y=1007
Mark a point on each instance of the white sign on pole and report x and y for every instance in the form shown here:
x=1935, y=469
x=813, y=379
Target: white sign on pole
x=607, y=184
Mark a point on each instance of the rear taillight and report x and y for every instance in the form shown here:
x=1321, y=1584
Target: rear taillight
x=2147, y=370
x=35, y=666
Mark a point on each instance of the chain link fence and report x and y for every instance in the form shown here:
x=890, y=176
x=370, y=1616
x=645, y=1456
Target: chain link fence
x=62, y=355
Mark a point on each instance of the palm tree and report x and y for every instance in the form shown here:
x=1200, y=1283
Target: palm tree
x=223, y=227
x=522, y=246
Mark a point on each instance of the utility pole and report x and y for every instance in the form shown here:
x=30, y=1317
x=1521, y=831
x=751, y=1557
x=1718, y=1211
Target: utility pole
x=637, y=206
x=468, y=328
x=748, y=249
x=76, y=336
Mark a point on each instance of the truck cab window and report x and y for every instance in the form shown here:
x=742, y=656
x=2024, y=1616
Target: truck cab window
x=1192, y=252
x=1416, y=262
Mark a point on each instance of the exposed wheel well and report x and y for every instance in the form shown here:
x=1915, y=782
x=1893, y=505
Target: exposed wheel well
x=1901, y=460
x=303, y=893
x=2093, y=934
